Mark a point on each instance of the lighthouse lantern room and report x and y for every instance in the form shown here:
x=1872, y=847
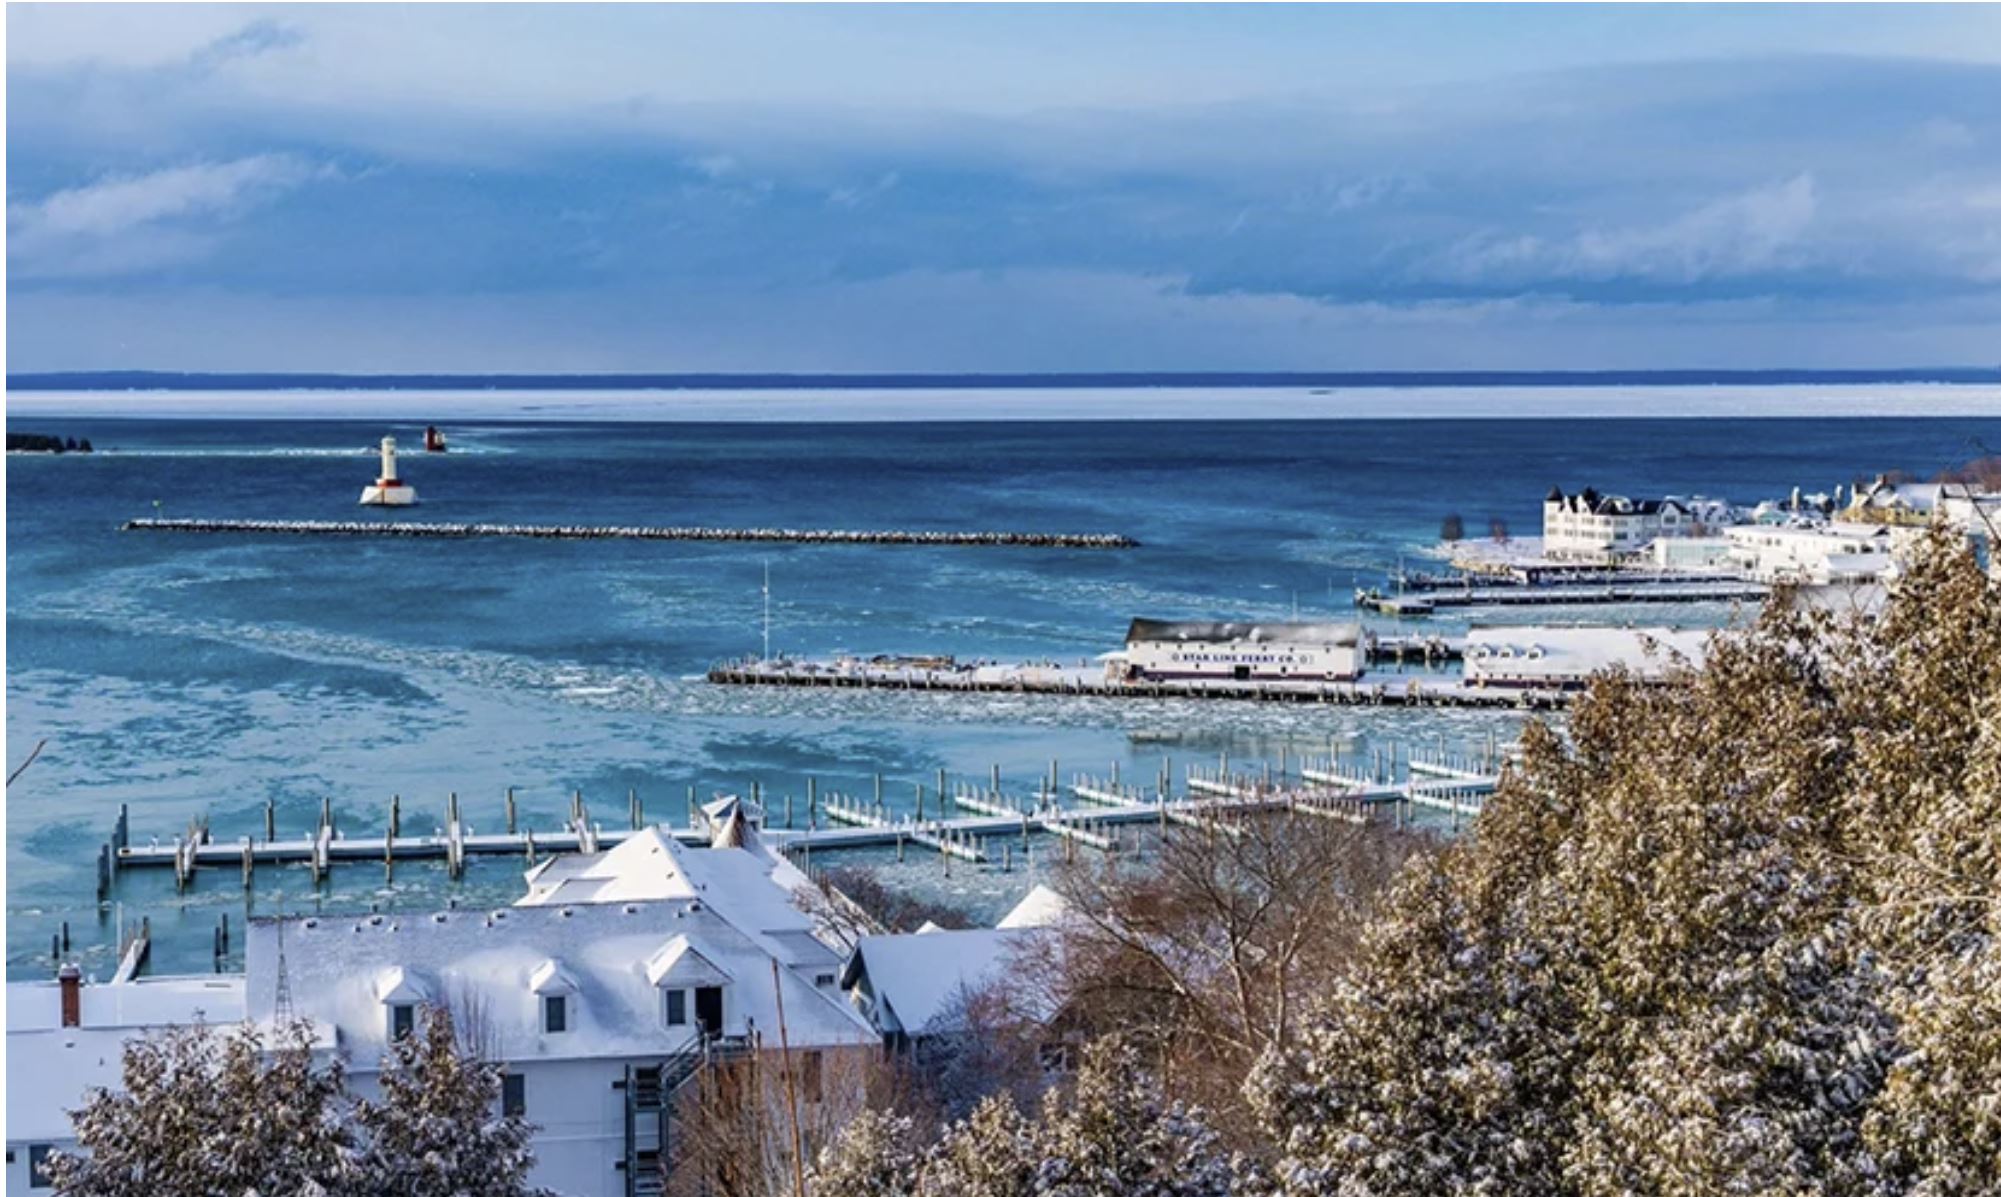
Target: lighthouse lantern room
x=389, y=490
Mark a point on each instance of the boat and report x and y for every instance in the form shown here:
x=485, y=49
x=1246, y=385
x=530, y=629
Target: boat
x=434, y=441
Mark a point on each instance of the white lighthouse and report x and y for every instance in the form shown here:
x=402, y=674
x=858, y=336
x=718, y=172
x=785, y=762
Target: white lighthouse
x=389, y=490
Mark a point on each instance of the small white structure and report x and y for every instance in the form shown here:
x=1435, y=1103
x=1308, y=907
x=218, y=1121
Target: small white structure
x=389, y=490
x=1244, y=652
x=66, y=1037
x=1815, y=553
x=1588, y=526
x=1546, y=656
x=1690, y=552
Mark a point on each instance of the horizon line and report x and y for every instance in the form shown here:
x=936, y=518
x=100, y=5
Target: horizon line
x=190, y=380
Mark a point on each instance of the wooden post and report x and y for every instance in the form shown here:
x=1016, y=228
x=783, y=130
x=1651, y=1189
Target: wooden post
x=788, y=810
x=270, y=819
x=1115, y=774
x=756, y=796
x=878, y=791
x=899, y=847
x=1007, y=858
x=692, y=821
x=942, y=807
x=510, y=810
x=632, y=807
x=941, y=787
x=395, y=815
x=812, y=801
x=996, y=778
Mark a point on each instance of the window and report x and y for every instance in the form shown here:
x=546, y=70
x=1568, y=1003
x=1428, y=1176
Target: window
x=555, y=1013
x=677, y=1007
x=38, y=1159
x=402, y=1020
x=513, y=1095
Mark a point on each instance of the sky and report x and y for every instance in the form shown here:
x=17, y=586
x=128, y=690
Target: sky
x=578, y=188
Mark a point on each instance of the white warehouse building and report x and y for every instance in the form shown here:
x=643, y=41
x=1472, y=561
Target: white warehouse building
x=1160, y=649
x=1552, y=657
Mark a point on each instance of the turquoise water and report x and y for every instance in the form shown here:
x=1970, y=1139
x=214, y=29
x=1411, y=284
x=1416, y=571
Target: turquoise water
x=191, y=675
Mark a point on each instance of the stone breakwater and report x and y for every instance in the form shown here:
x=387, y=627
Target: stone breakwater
x=436, y=531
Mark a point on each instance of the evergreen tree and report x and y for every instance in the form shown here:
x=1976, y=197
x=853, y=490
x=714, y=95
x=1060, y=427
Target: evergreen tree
x=873, y=1157
x=438, y=1130
x=992, y=1153
x=1734, y=935
x=1113, y=1135
x=203, y=1113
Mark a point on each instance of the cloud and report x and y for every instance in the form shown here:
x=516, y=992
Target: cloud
x=1759, y=231
x=138, y=222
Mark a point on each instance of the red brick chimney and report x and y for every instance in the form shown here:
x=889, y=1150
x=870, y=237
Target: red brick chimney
x=70, y=979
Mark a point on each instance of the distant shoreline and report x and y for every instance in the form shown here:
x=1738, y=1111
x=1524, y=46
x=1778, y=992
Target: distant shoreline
x=1020, y=404
x=164, y=380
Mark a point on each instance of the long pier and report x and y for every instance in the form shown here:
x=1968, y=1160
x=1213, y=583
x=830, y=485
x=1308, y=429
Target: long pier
x=414, y=530
x=1425, y=602
x=1403, y=691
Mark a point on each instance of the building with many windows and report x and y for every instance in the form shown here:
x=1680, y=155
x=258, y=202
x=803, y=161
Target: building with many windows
x=1588, y=526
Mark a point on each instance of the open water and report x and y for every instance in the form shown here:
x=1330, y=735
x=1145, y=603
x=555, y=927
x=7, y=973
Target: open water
x=189, y=675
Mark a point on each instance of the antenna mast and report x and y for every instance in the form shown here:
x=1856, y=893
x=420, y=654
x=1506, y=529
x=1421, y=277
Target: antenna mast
x=282, y=1004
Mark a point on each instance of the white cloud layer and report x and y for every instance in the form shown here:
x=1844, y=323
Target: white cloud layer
x=135, y=222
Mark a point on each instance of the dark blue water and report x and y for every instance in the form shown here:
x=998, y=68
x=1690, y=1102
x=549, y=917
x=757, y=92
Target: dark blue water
x=188, y=675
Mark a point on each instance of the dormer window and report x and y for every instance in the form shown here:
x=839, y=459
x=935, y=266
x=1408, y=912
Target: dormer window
x=400, y=993
x=555, y=995
x=680, y=968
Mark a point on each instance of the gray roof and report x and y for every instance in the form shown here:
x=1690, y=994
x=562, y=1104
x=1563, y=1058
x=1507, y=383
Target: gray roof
x=1196, y=631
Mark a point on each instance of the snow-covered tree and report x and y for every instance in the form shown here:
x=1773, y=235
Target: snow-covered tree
x=438, y=1130
x=1733, y=934
x=202, y=1112
x=873, y=1157
x=1113, y=1135
x=993, y=1153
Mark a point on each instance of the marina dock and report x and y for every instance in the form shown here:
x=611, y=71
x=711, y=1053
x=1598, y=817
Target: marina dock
x=413, y=530
x=1211, y=798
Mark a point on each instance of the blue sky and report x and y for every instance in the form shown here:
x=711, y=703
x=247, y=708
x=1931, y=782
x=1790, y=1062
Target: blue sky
x=1121, y=187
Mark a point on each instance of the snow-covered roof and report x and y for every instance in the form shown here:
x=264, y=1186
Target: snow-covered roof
x=494, y=958
x=913, y=982
x=1554, y=652
x=1210, y=632
x=1043, y=907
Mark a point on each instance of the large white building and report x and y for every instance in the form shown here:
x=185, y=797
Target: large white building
x=1159, y=649
x=616, y=979
x=1832, y=553
x=1588, y=526
x=1548, y=656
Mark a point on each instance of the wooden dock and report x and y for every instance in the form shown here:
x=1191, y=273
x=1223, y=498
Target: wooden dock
x=1212, y=796
x=416, y=530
